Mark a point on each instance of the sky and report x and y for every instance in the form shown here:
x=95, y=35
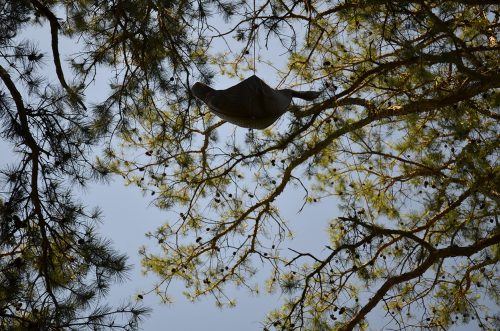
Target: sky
x=128, y=215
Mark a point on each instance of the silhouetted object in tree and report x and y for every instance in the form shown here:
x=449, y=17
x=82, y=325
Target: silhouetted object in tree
x=251, y=103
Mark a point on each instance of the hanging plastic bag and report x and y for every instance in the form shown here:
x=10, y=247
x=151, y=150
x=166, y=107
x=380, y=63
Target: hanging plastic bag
x=251, y=103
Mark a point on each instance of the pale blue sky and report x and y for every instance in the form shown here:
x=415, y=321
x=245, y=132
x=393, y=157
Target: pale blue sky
x=128, y=215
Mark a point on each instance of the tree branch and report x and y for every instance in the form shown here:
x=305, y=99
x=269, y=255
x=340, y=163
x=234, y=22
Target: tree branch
x=35, y=163
x=54, y=32
x=433, y=257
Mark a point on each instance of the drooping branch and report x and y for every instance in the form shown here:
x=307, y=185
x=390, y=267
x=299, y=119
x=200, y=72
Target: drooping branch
x=21, y=110
x=35, y=164
x=54, y=33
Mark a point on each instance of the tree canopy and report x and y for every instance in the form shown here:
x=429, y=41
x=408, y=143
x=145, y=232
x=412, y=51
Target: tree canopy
x=404, y=139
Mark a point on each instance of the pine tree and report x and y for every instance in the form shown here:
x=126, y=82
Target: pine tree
x=404, y=140
x=54, y=268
